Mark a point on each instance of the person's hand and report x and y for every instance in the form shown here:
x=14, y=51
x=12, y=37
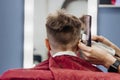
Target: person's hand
x=107, y=42
x=96, y=55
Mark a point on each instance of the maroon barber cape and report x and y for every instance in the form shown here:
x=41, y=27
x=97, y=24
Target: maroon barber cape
x=60, y=68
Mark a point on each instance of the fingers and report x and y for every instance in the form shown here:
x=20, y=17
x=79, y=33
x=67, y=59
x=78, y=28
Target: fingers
x=105, y=41
x=88, y=57
x=84, y=47
x=98, y=38
x=102, y=39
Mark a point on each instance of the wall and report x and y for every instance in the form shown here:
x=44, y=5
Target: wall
x=11, y=34
x=109, y=24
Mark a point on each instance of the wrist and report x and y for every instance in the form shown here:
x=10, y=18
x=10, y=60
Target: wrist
x=114, y=67
x=109, y=60
x=119, y=69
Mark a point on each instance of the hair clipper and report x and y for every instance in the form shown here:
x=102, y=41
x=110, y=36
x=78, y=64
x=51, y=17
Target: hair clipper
x=86, y=36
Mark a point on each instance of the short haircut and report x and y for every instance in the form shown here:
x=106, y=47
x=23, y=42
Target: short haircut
x=63, y=28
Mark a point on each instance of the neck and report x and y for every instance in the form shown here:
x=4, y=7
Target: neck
x=54, y=51
x=70, y=53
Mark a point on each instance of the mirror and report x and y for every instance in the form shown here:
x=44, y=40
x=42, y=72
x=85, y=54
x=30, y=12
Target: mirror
x=36, y=12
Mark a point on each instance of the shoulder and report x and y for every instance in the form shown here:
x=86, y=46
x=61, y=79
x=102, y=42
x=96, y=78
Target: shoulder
x=26, y=74
x=42, y=66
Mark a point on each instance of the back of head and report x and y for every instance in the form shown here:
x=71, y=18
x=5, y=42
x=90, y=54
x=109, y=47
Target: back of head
x=63, y=30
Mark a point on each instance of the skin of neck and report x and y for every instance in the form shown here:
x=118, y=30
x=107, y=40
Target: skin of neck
x=54, y=49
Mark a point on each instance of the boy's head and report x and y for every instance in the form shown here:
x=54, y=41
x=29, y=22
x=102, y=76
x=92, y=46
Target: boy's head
x=63, y=31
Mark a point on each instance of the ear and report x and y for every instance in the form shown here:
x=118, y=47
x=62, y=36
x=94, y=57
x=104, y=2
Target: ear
x=47, y=44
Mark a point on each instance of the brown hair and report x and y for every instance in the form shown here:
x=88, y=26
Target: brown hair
x=63, y=29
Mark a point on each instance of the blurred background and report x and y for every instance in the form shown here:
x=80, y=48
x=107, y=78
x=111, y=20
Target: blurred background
x=12, y=19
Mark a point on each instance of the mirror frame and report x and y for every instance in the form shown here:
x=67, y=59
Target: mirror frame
x=28, y=28
x=28, y=33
